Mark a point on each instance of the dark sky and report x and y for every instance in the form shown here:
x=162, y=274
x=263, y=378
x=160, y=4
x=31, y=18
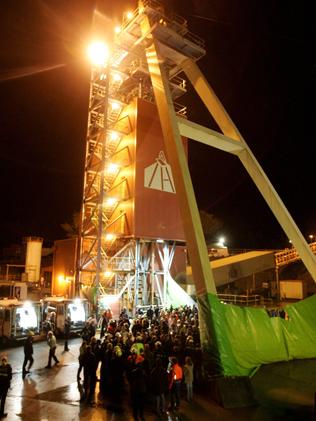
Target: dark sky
x=257, y=63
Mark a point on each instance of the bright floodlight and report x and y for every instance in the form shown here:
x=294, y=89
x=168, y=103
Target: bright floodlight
x=112, y=168
x=110, y=201
x=221, y=241
x=117, y=77
x=109, y=236
x=114, y=136
x=98, y=53
x=129, y=15
x=108, y=274
x=115, y=106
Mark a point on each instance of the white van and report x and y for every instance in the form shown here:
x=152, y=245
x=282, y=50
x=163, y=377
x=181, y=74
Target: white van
x=17, y=318
x=55, y=310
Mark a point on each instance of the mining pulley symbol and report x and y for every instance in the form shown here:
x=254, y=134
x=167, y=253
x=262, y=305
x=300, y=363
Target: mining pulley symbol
x=158, y=176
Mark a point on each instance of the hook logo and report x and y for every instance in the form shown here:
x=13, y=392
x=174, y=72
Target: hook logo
x=158, y=176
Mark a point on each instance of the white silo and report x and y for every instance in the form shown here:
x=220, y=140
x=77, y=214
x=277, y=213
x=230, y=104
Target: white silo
x=33, y=258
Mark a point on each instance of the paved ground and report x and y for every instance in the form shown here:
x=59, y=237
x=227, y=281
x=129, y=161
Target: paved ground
x=53, y=395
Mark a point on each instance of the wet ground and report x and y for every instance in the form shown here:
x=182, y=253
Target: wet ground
x=54, y=395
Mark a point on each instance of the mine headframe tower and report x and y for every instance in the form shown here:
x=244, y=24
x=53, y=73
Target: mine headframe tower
x=114, y=256
x=150, y=53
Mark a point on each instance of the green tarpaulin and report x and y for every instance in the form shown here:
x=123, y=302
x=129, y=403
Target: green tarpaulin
x=248, y=337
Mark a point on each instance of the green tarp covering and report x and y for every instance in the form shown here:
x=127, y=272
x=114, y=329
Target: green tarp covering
x=248, y=337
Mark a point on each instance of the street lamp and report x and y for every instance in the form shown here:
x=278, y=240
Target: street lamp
x=311, y=237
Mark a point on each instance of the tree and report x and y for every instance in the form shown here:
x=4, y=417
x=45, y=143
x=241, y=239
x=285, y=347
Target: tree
x=210, y=225
x=72, y=228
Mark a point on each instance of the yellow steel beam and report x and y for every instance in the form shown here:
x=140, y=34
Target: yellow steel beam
x=209, y=137
x=189, y=211
x=254, y=169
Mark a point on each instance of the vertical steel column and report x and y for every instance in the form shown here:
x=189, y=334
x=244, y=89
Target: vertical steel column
x=101, y=197
x=152, y=272
x=136, y=283
x=166, y=267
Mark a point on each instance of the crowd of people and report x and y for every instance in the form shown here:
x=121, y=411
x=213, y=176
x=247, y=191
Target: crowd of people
x=156, y=357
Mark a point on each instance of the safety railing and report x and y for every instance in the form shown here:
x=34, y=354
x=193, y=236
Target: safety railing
x=178, y=23
x=287, y=256
x=121, y=263
x=247, y=300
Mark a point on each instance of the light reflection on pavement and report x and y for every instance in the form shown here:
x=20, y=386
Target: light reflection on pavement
x=53, y=394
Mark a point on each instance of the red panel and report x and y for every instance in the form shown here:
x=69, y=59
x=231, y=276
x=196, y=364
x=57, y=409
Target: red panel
x=64, y=266
x=156, y=209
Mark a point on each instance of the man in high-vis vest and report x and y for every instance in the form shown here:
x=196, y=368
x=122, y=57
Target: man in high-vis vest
x=175, y=382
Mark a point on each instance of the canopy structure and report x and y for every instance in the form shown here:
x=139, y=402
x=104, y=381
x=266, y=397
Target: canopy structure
x=176, y=296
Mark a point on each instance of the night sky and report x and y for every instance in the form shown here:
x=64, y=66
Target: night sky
x=257, y=63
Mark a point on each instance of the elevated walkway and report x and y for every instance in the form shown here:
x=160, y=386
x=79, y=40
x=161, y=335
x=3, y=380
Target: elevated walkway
x=229, y=269
x=284, y=257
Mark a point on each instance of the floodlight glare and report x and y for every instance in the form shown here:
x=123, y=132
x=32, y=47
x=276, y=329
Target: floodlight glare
x=117, y=77
x=98, y=53
x=221, y=241
x=114, y=136
x=108, y=274
x=110, y=201
x=115, y=106
x=109, y=236
x=112, y=168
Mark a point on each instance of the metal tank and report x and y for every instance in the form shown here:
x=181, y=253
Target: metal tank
x=33, y=258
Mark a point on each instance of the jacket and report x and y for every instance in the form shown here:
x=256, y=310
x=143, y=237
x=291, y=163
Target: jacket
x=28, y=346
x=52, y=342
x=5, y=376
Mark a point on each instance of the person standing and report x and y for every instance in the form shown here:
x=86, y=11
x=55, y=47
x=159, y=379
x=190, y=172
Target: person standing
x=175, y=379
x=82, y=351
x=104, y=325
x=138, y=392
x=52, y=343
x=150, y=314
x=89, y=375
x=67, y=327
x=188, y=377
x=5, y=380
x=28, y=354
x=159, y=385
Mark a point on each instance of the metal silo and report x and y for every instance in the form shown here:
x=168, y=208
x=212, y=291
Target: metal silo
x=33, y=258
